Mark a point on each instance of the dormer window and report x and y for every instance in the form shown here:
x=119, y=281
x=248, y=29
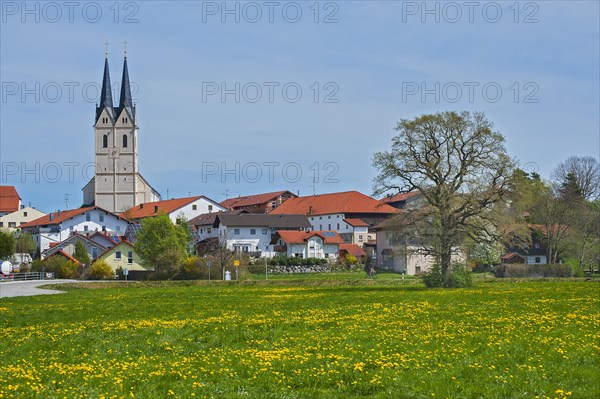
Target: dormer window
x=124, y=141
x=105, y=141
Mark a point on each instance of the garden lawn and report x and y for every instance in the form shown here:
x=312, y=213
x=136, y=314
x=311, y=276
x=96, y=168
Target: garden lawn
x=376, y=340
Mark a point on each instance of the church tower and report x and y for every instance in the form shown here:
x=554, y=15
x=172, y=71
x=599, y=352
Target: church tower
x=117, y=184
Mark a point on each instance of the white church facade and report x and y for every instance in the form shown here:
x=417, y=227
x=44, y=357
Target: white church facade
x=117, y=184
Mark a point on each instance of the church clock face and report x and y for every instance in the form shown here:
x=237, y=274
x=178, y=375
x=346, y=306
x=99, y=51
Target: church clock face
x=113, y=153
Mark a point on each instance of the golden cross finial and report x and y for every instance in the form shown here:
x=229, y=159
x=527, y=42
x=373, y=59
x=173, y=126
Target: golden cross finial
x=106, y=43
x=125, y=43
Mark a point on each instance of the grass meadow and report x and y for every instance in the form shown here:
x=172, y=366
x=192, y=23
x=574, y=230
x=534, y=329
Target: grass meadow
x=304, y=339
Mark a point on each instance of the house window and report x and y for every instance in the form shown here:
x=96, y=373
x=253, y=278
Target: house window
x=264, y=231
x=320, y=217
x=329, y=226
x=71, y=228
x=105, y=141
x=25, y=214
x=329, y=217
x=103, y=228
x=130, y=257
x=12, y=224
x=360, y=237
x=118, y=228
x=94, y=252
x=537, y=246
x=252, y=231
x=88, y=217
x=194, y=207
x=538, y=259
x=118, y=255
x=101, y=217
x=85, y=228
x=320, y=227
x=338, y=226
x=210, y=208
x=236, y=231
x=1, y=224
x=209, y=230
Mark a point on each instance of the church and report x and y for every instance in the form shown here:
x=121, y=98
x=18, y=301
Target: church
x=117, y=184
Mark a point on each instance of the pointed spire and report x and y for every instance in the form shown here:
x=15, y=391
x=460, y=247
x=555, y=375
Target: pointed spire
x=106, y=100
x=125, y=99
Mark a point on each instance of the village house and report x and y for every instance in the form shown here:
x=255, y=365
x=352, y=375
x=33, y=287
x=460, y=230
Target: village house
x=244, y=232
x=308, y=244
x=12, y=221
x=9, y=200
x=176, y=209
x=92, y=247
x=402, y=200
x=535, y=253
x=258, y=203
x=351, y=214
x=124, y=256
x=57, y=226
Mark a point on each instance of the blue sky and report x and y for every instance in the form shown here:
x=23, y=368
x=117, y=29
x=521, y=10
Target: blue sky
x=360, y=68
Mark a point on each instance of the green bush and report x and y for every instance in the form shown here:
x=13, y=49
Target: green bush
x=101, y=270
x=459, y=277
x=68, y=269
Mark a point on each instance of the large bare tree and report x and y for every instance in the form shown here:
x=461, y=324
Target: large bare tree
x=586, y=171
x=460, y=166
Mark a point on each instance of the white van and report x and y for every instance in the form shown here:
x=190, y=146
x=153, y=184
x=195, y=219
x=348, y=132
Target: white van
x=20, y=258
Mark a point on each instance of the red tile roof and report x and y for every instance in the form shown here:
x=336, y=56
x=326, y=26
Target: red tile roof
x=356, y=223
x=255, y=199
x=57, y=217
x=9, y=199
x=344, y=202
x=400, y=197
x=353, y=249
x=299, y=237
x=156, y=208
x=66, y=255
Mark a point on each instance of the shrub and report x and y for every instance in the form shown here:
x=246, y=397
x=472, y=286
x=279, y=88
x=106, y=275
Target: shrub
x=101, y=270
x=459, y=277
x=68, y=269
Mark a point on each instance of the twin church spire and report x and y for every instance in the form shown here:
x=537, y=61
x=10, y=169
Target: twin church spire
x=106, y=100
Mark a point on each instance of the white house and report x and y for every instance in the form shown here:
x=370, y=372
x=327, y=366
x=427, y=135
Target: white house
x=308, y=244
x=177, y=208
x=58, y=226
x=351, y=214
x=9, y=200
x=14, y=220
x=246, y=232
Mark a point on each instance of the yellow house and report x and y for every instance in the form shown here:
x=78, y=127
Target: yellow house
x=123, y=255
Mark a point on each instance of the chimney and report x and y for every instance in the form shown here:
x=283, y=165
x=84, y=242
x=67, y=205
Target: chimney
x=141, y=206
x=58, y=213
x=310, y=209
x=51, y=216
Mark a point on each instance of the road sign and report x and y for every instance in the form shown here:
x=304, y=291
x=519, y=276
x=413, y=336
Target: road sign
x=236, y=263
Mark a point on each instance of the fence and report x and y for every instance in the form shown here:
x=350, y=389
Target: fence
x=27, y=276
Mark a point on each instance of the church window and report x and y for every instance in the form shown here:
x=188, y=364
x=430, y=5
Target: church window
x=105, y=141
x=125, y=120
x=124, y=141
